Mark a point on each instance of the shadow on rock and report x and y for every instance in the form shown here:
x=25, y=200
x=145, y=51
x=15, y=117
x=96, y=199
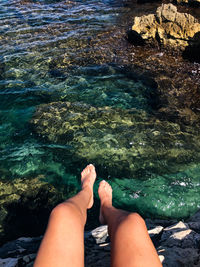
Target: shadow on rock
x=135, y=38
x=25, y=207
x=192, y=51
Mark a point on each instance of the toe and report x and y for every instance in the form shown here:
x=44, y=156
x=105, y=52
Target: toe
x=85, y=171
x=91, y=167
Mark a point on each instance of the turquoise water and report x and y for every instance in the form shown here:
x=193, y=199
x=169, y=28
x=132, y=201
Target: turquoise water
x=72, y=51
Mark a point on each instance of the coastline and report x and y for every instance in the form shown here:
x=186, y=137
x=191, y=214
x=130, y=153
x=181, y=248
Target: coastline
x=177, y=244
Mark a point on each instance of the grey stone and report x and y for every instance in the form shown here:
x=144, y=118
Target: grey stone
x=150, y=223
x=195, y=226
x=195, y=217
x=9, y=262
x=178, y=246
x=100, y=234
x=183, y=239
x=155, y=234
x=178, y=257
x=155, y=231
x=168, y=231
x=20, y=247
x=29, y=258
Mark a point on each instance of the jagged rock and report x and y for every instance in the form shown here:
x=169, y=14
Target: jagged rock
x=178, y=257
x=169, y=231
x=191, y=2
x=183, y=239
x=168, y=27
x=100, y=234
x=179, y=235
x=194, y=226
x=195, y=217
x=155, y=234
x=22, y=252
x=179, y=246
x=9, y=262
x=151, y=224
x=25, y=207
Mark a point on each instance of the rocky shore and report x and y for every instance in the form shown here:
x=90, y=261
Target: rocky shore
x=177, y=244
x=170, y=116
x=25, y=208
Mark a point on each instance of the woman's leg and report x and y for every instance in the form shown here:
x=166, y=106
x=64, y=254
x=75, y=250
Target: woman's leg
x=131, y=245
x=63, y=242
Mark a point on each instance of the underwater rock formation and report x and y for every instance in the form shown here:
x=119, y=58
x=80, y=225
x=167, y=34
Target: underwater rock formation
x=25, y=207
x=128, y=142
x=168, y=27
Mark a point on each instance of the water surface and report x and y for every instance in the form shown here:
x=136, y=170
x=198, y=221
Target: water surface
x=72, y=51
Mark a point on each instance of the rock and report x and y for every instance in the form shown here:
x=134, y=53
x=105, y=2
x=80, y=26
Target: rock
x=20, y=252
x=179, y=246
x=116, y=137
x=9, y=262
x=20, y=247
x=169, y=231
x=151, y=224
x=183, y=239
x=155, y=234
x=181, y=253
x=178, y=257
x=191, y=2
x=100, y=234
x=194, y=226
x=168, y=27
x=195, y=217
x=25, y=205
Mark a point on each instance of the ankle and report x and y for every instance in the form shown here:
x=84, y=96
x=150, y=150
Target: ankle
x=106, y=209
x=106, y=203
x=87, y=189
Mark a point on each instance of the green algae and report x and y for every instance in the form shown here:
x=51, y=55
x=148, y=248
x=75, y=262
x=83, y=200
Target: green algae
x=130, y=143
x=25, y=207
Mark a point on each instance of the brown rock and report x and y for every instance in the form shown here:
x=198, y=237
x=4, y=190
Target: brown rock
x=168, y=27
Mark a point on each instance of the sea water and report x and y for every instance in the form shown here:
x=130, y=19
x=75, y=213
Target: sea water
x=70, y=51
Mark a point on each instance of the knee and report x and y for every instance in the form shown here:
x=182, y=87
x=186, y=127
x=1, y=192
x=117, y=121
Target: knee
x=66, y=211
x=61, y=210
x=131, y=224
x=136, y=220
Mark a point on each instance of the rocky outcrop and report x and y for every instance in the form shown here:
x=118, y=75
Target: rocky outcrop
x=25, y=205
x=177, y=244
x=168, y=27
x=122, y=140
x=191, y=2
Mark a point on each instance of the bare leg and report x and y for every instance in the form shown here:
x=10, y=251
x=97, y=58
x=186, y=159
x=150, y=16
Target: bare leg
x=63, y=242
x=131, y=245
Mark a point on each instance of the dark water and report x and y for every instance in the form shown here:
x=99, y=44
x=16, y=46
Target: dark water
x=72, y=51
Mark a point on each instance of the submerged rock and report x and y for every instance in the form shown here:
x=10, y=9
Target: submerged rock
x=25, y=205
x=168, y=27
x=127, y=142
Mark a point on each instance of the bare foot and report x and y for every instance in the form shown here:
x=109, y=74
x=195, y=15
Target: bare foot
x=105, y=195
x=88, y=176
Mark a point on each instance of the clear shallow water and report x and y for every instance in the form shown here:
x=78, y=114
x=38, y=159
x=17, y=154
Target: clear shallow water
x=68, y=51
